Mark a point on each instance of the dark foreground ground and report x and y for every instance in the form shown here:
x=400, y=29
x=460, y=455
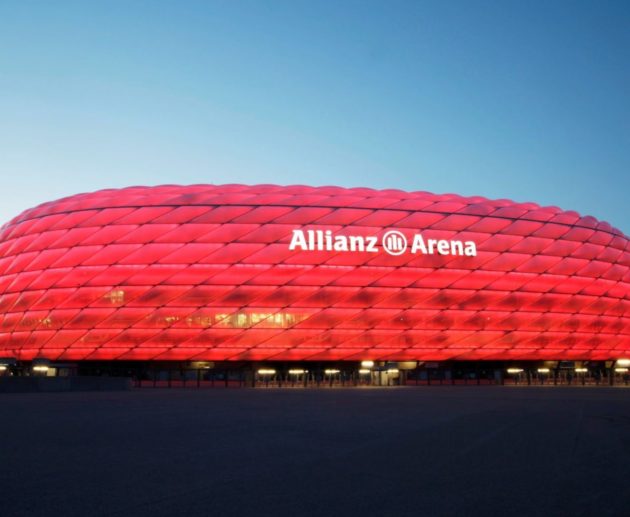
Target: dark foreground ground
x=395, y=451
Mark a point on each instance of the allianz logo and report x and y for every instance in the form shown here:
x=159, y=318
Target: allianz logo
x=392, y=242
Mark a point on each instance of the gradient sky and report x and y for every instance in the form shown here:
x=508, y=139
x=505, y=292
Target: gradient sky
x=522, y=100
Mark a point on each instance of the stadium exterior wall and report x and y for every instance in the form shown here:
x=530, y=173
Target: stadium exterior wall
x=273, y=273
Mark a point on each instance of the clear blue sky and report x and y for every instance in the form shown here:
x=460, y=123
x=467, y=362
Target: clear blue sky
x=523, y=100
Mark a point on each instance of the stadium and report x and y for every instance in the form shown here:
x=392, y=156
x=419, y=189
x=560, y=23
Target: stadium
x=301, y=285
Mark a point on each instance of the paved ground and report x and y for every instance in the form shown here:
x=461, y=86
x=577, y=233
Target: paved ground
x=370, y=451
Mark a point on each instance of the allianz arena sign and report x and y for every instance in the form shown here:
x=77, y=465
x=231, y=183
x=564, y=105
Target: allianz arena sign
x=392, y=242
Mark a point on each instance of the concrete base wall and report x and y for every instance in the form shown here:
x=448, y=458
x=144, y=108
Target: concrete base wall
x=56, y=384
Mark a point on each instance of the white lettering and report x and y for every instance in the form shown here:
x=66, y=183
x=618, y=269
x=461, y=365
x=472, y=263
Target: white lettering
x=471, y=249
x=394, y=243
x=341, y=243
x=329, y=245
x=357, y=243
x=418, y=244
x=320, y=240
x=443, y=247
x=457, y=248
x=371, y=244
x=298, y=239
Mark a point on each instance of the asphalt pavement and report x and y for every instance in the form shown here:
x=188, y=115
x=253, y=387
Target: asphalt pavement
x=408, y=451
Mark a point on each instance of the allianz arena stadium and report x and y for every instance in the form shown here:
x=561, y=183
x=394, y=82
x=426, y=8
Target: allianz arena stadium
x=311, y=283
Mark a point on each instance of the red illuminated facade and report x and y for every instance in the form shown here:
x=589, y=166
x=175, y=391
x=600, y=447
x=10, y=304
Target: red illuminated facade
x=217, y=273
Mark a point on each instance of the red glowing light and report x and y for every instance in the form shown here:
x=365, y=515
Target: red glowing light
x=206, y=273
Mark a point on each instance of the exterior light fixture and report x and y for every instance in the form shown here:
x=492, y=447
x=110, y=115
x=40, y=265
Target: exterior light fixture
x=581, y=370
x=367, y=364
x=623, y=362
x=3, y=367
x=40, y=368
x=392, y=370
x=331, y=372
x=621, y=370
x=514, y=370
x=266, y=371
x=364, y=371
x=543, y=370
x=296, y=372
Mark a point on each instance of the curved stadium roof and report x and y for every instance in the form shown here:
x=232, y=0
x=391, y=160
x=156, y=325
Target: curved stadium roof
x=206, y=272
